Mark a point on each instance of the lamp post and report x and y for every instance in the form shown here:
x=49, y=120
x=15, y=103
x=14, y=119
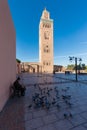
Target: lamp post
x=76, y=68
x=75, y=58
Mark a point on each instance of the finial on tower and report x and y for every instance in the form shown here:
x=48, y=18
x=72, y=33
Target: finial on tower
x=45, y=8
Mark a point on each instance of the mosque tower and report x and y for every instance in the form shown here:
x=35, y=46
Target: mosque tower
x=46, y=42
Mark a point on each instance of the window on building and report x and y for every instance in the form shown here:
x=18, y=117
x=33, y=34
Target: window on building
x=47, y=51
x=46, y=25
x=43, y=63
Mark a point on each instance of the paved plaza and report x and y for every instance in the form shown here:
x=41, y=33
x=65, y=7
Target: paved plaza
x=63, y=106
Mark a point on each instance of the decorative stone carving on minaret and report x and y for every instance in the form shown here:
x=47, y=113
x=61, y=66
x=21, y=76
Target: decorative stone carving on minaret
x=46, y=42
x=45, y=14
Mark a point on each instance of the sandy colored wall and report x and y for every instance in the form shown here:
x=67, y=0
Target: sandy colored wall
x=7, y=52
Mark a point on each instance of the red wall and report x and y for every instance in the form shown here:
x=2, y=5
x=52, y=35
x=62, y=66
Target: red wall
x=7, y=52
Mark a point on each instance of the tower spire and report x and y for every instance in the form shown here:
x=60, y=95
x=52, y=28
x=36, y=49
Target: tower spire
x=45, y=8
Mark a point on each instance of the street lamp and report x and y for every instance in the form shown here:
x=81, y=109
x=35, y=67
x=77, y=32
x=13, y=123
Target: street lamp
x=75, y=58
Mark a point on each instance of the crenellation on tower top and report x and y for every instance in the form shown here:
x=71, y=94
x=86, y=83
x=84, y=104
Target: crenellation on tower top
x=45, y=14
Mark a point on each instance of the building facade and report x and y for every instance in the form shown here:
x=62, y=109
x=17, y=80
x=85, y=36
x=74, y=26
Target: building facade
x=45, y=64
x=7, y=52
x=31, y=67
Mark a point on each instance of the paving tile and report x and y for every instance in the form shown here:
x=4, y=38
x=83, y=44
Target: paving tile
x=79, y=128
x=83, y=107
x=47, y=127
x=53, y=110
x=77, y=120
x=28, y=116
x=39, y=113
x=34, y=123
x=85, y=125
x=84, y=115
x=60, y=114
x=74, y=110
x=50, y=119
x=63, y=125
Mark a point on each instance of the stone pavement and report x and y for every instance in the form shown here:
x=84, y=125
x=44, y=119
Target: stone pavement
x=21, y=113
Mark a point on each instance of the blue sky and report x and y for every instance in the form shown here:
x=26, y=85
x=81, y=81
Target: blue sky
x=70, y=28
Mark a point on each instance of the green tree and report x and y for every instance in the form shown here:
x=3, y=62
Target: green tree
x=79, y=67
x=83, y=66
x=70, y=67
x=18, y=60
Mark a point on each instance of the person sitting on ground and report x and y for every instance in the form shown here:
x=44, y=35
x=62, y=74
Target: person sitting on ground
x=19, y=87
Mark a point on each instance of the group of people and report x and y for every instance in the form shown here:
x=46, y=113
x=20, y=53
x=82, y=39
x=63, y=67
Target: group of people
x=19, y=87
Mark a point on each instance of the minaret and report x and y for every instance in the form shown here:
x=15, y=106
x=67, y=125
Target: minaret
x=46, y=42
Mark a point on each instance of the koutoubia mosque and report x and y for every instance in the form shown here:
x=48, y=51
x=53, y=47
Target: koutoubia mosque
x=45, y=64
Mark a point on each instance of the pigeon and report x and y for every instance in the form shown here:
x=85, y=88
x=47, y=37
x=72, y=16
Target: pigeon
x=70, y=115
x=58, y=106
x=69, y=104
x=53, y=102
x=30, y=106
x=65, y=115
